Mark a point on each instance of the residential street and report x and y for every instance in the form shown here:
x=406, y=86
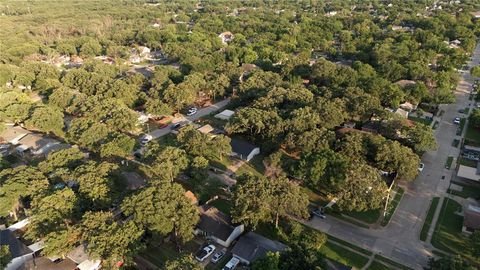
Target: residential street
x=400, y=239
x=202, y=112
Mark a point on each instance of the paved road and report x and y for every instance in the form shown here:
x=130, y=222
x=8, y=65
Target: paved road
x=400, y=239
x=202, y=112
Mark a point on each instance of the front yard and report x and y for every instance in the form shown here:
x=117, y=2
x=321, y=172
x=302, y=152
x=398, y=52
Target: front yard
x=472, y=136
x=448, y=234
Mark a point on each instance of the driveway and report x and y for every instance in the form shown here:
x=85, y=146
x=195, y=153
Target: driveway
x=400, y=239
x=200, y=113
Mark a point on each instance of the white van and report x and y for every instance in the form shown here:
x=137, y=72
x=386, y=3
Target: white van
x=232, y=264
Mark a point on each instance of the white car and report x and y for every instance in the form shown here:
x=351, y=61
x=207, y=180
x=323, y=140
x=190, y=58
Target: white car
x=145, y=139
x=192, y=111
x=218, y=256
x=420, y=167
x=456, y=120
x=232, y=264
x=203, y=253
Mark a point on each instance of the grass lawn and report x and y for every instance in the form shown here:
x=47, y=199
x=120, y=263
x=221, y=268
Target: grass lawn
x=222, y=164
x=467, y=162
x=377, y=266
x=448, y=163
x=222, y=205
x=380, y=258
x=472, y=136
x=461, y=126
x=254, y=166
x=350, y=245
x=448, y=234
x=214, y=122
x=466, y=110
x=342, y=255
x=424, y=121
x=392, y=206
x=314, y=197
x=467, y=191
x=428, y=219
x=158, y=255
x=370, y=216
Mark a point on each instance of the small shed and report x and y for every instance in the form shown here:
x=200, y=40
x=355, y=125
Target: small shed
x=206, y=129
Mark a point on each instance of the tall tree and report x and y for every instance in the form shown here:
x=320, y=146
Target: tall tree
x=18, y=184
x=184, y=262
x=260, y=199
x=163, y=208
x=108, y=239
x=47, y=119
x=5, y=256
x=393, y=157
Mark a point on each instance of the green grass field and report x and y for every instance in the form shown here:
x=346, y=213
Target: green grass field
x=424, y=121
x=472, y=136
x=393, y=206
x=448, y=234
x=428, y=219
x=342, y=255
x=370, y=216
x=467, y=191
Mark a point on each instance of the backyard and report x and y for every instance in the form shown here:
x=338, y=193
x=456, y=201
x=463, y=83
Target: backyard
x=467, y=191
x=472, y=136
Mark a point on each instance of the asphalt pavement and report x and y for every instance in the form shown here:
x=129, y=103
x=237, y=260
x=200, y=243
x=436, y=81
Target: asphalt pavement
x=200, y=113
x=399, y=240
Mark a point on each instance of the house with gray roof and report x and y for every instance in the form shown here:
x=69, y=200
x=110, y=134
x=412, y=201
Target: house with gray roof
x=252, y=246
x=217, y=226
x=471, y=219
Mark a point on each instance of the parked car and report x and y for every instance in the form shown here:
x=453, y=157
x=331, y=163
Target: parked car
x=420, y=167
x=192, y=111
x=203, y=253
x=319, y=213
x=146, y=138
x=232, y=264
x=218, y=256
x=456, y=121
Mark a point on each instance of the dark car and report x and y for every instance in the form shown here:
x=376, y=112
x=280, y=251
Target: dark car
x=319, y=213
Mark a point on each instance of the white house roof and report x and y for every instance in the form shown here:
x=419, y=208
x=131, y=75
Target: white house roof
x=468, y=173
x=89, y=265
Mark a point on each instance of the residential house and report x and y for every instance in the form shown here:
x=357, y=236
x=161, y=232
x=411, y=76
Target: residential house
x=19, y=251
x=79, y=256
x=403, y=113
x=244, y=150
x=469, y=173
x=217, y=226
x=12, y=134
x=36, y=144
x=471, y=219
x=252, y=246
x=225, y=114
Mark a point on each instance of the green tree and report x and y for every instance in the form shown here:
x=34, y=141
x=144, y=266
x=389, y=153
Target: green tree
x=157, y=107
x=108, y=239
x=118, y=144
x=61, y=241
x=362, y=188
x=475, y=242
x=69, y=158
x=169, y=163
x=163, y=208
x=52, y=212
x=474, y=118
x=47, y=119
x=18, y=184
x=393, y=157
x=91, y=48
x=449, y=263
x=260, y=199
x=184, y=262
x=475, y=71
x=95, y=182
x=5, y=256
x=420, y=138
x=270, y=261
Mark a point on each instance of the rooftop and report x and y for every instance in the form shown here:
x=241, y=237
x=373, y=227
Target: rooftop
x=242, y=147
x=17, y=248
x=252, y=246
x=13, y=132
x=214, y=222
x=468, y=173
x=472, y=217
x=35, y=141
